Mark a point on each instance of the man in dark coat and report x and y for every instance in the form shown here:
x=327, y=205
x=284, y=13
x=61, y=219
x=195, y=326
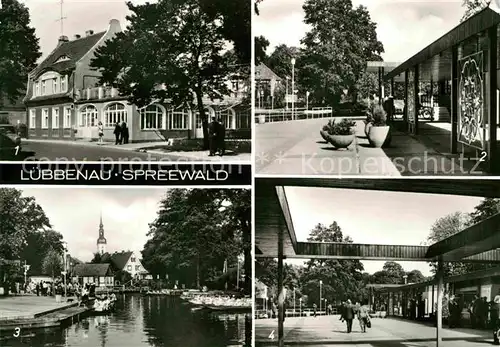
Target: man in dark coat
x=117, y=132
x=213, y=130
x=349, y=315
x=221, y=137
x=125, y=133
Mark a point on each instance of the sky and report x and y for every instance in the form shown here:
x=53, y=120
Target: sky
x=75, y=212
x=80, y=17
x=403, y=26
x=376, y=217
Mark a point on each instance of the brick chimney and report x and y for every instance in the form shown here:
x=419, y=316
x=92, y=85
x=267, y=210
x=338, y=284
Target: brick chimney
x=62, y=39
x=89, y=32
x=78, y=36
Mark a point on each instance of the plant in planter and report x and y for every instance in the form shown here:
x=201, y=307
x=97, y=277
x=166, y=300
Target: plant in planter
x=368, y=121
x=324, y=132
x=340, y=134
x=379, y=130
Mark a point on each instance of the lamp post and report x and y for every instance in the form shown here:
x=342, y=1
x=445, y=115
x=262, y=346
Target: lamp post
x=326, y=306
x=300, y=308
x=307, y=100
x=320, y=284
x=293, y=87
x=286, y=93
x=294, y=301
x=406, y=279
x=64, y=272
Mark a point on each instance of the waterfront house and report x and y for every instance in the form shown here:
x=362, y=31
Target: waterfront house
x=99, y=274
x=129, y=262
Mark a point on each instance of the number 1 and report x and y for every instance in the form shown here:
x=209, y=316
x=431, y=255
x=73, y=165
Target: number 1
x=17, y=150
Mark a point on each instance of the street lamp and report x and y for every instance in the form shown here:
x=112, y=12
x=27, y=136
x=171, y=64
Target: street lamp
x=320, y=284
x=406, y=278
x=326, y=305
x=294, y=301
x=307, y=100
x=286, y=93
x=293, y=86
x=64, y=272
x=300, y=308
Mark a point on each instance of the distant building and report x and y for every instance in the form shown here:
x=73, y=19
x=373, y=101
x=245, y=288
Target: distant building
x=266, y=82
x=101, y=241
x=14, y=112
x=64, y=100
x=129, y=262
x=99, y=274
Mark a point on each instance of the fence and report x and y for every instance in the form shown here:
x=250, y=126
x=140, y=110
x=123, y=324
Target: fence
x=305, y=312
x=282, y=115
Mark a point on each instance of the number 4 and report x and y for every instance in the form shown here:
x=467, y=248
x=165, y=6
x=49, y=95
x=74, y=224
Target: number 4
x=271, y=336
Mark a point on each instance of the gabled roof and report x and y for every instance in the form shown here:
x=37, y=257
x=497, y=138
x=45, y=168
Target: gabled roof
x=74, y=50
x=89, y=270
x=263, y=72
x=121, y=259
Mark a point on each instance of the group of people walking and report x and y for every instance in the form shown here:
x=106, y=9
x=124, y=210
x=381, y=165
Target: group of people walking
x=121, y=133
x=349, y=312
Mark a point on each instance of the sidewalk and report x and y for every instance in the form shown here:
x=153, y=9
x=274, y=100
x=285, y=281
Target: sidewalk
x=30, y=306
x=150, y=147
x=329, y=330
x=296, y=148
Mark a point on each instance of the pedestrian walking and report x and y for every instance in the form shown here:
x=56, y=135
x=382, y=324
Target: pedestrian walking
x=100, y=131
x=364, y=318
x=125, y=133
x=118, y=134
x=315, y=310
x=349, y=315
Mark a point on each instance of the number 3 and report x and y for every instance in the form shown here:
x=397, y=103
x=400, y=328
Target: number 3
x=17, y=332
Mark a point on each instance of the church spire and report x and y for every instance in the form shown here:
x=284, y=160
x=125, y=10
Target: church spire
x=101, y=241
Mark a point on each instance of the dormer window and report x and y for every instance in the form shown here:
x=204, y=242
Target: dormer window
x=62, y=58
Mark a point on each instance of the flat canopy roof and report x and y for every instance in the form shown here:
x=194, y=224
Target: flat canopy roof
x=478, y=243
x=476, y=24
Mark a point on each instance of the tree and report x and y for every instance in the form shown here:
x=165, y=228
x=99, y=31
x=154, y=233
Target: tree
x=38, y=244
x=280, y=60
x=196, y=232
x=21, y=217
x=415, y=276
x=261, y=44
x=171, y=50
x=256, y=6
x=341, y=279
x=341, y=40
x=472, y=7
x=19, y=50
x=53, y=264
x=487, y=208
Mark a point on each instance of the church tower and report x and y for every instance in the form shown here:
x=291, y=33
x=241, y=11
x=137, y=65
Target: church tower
x=101, y=241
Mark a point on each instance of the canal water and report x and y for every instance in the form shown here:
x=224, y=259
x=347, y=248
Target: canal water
x=144, y=321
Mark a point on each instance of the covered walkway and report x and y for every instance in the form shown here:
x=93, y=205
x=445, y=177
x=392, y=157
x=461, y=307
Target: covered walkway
x=275, y=234
x=457, y=74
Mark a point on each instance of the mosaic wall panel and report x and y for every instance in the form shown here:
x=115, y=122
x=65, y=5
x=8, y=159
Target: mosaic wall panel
x=411, y=96
x=471, y=131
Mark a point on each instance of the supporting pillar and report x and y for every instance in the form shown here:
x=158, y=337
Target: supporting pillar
x=392, y=87
x=432, y=96
x=416, y=91
x=439, y=313
x=405, y=114
x=454, y=100
x=380, y=85
x=491, y=99
x=281, y=297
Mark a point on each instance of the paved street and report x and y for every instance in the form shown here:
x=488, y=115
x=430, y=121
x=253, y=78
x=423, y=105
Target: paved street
x=296, y=148
x=81, y=151
x=329, y=330
x=27, y=306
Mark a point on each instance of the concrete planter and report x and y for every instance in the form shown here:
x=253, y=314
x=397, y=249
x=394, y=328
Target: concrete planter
x=340, y=141
x=58, y=298
x=368, y=125
x=377, y=135
x=324, y=135
x=262, y=119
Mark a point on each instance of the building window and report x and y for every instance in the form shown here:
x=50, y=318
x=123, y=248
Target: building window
x=32, y=124
x=129, y=268
x=54, y=86
x=64, y=84
x=137, y=268
x=227, y=117
x=132, y=259
x=37, y=88
x=44, y=87
x=178, y=120
x=115, y=113
x=243, y=120
x=45, y=118
x=152, y=117
x=55, y=118
x=67, y=117
x=88, y=116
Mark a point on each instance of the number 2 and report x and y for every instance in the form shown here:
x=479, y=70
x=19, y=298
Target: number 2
x=271, y=336
x=17, y=332
x=483, y=156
